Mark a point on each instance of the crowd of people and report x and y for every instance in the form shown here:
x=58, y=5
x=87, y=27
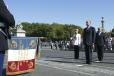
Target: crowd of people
x=91, y=40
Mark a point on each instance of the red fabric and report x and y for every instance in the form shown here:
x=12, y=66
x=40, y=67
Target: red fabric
x=20, y=66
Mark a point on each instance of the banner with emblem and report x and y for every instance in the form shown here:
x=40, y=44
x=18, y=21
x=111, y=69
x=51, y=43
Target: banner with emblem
x=21, y=55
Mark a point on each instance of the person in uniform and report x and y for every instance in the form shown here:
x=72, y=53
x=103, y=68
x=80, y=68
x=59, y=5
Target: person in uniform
x=6, y=21
x=76, y=41
x=89, y=35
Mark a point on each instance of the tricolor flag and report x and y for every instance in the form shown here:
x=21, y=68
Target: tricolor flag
x=21, y=55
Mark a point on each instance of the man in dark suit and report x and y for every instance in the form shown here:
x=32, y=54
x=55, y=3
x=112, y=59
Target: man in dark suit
x=6, y=21
x=99, y=43
x=89, y=40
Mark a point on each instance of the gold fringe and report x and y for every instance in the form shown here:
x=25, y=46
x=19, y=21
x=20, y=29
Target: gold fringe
x=20, y=72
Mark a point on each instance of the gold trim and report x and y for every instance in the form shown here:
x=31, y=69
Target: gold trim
x=20, y=72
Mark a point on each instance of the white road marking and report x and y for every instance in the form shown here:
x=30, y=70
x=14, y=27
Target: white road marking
x=67, y=69
x=107, y=71
x=101, y=66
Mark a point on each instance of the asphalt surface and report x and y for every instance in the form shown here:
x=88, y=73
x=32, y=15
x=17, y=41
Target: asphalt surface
x=62, y=63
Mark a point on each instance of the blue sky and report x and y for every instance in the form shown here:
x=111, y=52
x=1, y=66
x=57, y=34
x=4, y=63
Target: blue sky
x=63, y=11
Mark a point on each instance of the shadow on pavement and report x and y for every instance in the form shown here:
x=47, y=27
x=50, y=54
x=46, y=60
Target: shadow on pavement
x=79, y=61
x=73, y=61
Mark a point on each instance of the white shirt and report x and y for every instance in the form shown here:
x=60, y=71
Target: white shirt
x=77, y=39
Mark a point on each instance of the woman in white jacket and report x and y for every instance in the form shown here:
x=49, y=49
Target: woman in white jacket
x=76, y=41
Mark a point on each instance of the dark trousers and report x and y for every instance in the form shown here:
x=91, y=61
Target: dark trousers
x=88, y=54
x=100, y=53
x=1, y=62
x=76, y=51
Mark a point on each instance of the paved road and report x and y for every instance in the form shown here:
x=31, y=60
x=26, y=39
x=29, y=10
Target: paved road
x=47, y=68
x=62, y=63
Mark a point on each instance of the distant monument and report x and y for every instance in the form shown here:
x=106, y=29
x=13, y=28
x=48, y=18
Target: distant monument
x=20, y=31
x=102, y=23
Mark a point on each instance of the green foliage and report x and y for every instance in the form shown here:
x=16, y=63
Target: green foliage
x=53, y=31
x=112, y=33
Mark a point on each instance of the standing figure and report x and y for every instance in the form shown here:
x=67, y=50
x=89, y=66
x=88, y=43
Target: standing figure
x=89, y=40
x=99, y=43
x=110, y=43
x=51, y=44
x=6, y=20
x=77, y=41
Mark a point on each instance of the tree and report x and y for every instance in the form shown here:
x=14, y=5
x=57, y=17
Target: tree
x=112, y=33
x=52, y=31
